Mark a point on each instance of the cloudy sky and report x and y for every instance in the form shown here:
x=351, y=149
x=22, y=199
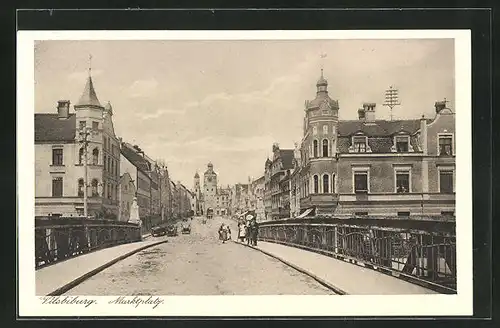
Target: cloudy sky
x=191, y=102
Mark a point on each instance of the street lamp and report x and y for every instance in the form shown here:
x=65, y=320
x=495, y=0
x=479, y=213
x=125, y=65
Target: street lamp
x=83, y=139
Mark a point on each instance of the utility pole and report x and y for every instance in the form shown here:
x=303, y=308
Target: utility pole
x=391, y=98
x=84, y=134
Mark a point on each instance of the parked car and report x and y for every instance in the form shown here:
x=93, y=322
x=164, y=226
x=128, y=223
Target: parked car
x=172, y=230
x=158, y=231
x=186, y=226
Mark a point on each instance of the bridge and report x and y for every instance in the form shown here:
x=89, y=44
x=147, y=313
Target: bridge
x=320, y=256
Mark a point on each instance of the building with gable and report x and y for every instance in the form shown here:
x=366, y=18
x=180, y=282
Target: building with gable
x=60, y=158
x=277, y=175
x=370, y=166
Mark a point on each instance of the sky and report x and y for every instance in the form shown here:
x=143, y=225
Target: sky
x=191, y=102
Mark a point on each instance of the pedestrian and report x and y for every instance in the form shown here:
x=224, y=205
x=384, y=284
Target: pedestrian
x=249, y=231
x=222, y=233
x=242, y=231
x=255, y=231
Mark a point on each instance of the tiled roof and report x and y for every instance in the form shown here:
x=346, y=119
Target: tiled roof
x=48, y=127
x=134, y=158
x=89, y=97
x=287, y=156
x=378, y=128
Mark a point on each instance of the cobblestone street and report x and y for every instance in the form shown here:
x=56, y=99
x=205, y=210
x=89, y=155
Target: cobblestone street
x=199, y=264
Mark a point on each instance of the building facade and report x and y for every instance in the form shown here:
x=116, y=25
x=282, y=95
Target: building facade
x=374, y=167
x=126, y=196
x=257, y=198
x=198, y=195
x=61, y=154
x=278, y=172
x=209, y=188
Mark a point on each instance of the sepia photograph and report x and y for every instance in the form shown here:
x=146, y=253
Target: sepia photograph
x=254, y=166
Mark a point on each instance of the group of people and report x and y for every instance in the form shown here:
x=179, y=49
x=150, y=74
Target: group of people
x=248, y=231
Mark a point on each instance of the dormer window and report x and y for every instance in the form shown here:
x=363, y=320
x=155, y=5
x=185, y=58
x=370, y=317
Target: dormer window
x=359, y=144
x=402, y=144
x=445, y=145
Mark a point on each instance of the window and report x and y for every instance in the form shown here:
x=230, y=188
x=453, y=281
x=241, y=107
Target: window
x=325, y=148
x=80, y=187
x=325, y=129
x=82, y=125
x=315, y=148
x=315, y=130
x=402, y=144
x=105, y=162
x=95, y=184
x=403, y=213
x=360, y=213
x=57, y=156
x=361, y=182
x=446, y=182
x=81, y=156
x=95, y=126
x=359, y=144
x=402, y=181
x=57, y=187
x=326, y=183
x=316, y=184
x=445, y=145
x=333, y=183
x=95, y=156
x=109, y=191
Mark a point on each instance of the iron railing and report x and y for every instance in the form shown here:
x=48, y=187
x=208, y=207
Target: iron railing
x=421, y=251
x=57, y=239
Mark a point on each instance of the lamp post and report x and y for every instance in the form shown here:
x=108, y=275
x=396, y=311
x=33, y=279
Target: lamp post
x=84, y=134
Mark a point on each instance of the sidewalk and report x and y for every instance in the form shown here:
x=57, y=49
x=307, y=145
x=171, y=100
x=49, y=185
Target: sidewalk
x=67, y=274
x=349, y=278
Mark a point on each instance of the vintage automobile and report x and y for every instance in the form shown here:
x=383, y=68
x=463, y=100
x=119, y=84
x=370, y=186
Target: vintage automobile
x=172, y=230
x=186, y=227
x=158, y=231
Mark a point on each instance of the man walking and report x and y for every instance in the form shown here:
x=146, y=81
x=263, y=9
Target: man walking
x=255, y=231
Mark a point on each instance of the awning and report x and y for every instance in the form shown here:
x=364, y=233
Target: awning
x=305, y=213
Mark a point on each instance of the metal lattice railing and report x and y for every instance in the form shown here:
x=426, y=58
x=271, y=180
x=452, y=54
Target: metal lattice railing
x=424, y=255
x=62, y=238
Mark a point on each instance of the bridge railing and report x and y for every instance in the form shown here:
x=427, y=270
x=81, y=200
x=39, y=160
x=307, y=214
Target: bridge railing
x=58, y=239
x=421, y=250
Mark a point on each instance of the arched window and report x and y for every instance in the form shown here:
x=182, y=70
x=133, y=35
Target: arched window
x=95, y=156
x=326, y=183
x=333, y=183
x=315, y=148
x=95, y=184
x=80, y=156
x=105, y=163
x=80, y=187
x=109, y=190
x=316, y=184
x=325, y=147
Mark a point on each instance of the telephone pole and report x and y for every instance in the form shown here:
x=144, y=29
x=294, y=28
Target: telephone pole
x=84, y=141
x=391, y=98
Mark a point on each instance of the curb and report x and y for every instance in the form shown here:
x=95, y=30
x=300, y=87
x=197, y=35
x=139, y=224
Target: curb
x=321, y=281
x=88, y=275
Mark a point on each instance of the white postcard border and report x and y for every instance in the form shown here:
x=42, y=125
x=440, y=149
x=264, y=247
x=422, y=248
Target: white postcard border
x=348, y=305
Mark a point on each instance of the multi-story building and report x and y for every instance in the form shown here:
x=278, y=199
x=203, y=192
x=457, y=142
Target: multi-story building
x=278, y=171
x=138, y=168
x=267, y=190
x=257, y=198
x=198, y=195
x=375, y=167
x=174, y=192
x=126, y=196
x=240, y=198
x=295, y=184
x=60, y=157
x=223, y=201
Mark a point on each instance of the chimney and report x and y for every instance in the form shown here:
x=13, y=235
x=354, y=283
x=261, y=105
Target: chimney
x=439, y=105
x=63, y=109
x=423, y=134
x=361, y=114
x=369, y=110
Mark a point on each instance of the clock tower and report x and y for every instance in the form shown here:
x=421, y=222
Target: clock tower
x=209, y=188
